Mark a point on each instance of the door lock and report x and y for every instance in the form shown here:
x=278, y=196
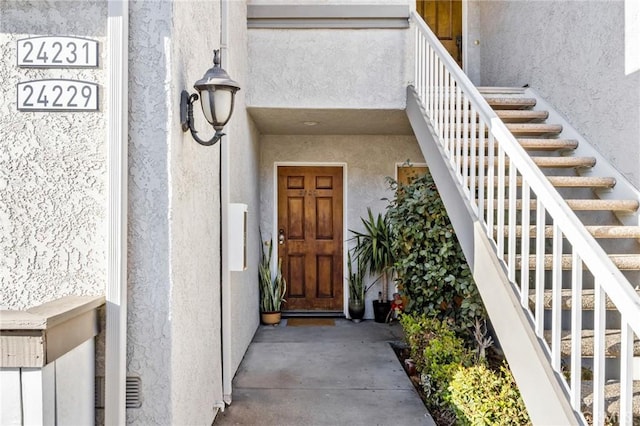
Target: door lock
x=281, y=236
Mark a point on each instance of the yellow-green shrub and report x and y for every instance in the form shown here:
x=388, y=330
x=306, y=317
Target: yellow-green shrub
x=481, y=396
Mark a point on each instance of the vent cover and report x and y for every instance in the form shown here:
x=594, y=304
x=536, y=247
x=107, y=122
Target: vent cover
x=133, y=392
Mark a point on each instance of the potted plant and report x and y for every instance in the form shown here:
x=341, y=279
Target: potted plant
x=374, y=248
x=357, y=289
x=272, y=290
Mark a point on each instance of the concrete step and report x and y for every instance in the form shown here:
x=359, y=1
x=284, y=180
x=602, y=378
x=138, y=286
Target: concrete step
x=612, y=399
x=586, y=205
x=521, y=115
x=497, y=102
x=595, y=231
x=588, y=300
x=611, y=346
x=624, y=262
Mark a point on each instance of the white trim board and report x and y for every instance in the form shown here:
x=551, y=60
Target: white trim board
x=328, y=16
x=117, y=140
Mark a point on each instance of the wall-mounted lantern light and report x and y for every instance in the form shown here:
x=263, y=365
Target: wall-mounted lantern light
x=216, y=92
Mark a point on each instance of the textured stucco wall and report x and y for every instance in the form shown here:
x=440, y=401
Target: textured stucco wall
x=243, y=145
x=149, y=329
x=328, y=68
x=52, y=166
x=174, y=230
x=369, y=159
x=572, y=53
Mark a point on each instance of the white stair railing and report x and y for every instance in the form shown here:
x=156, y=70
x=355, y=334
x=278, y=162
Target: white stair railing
x=465, y=125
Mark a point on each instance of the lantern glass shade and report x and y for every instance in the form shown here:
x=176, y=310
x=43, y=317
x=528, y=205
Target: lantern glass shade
x=217, y=105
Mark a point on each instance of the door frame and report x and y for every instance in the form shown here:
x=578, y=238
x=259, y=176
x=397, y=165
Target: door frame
x=345, y=202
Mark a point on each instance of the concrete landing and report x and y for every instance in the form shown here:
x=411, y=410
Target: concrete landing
x=347, y=374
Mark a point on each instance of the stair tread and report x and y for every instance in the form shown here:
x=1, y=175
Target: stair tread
x=521, y=115
x=548, y=144
x=555, y=162
x=570, y=182
x=533, y=128
x=586, y=205
x=582, y=181
x=595, y=231
x=497, y=102
x=500, y=89
x=612, y=340
x=587, y=300
x=625, y=262
x=611, y=396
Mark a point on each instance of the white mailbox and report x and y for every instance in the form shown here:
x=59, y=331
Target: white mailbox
x=237, y=237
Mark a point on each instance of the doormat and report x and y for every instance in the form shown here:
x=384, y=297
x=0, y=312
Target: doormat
x=310, y=322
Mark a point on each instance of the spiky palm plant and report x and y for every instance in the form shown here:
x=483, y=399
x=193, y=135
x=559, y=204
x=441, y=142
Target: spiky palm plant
x=272, y=291
x=373, y=247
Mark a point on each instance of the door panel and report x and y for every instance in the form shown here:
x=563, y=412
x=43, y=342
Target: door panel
x=310, y=203
x=444, y=17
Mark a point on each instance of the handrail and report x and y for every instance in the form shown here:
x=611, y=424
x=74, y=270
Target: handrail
x=459, y=114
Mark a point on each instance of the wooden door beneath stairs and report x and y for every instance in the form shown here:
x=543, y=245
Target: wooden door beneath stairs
x=310, y=236
x=444, y=17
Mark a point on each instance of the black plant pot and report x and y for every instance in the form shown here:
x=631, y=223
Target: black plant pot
x=381, y=310
x=356, y=311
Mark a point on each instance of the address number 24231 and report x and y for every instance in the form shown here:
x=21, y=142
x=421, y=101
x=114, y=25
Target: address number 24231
x=57, y=95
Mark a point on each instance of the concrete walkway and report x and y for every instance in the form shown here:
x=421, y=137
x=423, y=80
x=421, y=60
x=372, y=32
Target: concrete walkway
x=346, y=374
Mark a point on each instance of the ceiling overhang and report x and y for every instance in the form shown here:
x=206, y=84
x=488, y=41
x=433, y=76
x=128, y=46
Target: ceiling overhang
x=305, y=121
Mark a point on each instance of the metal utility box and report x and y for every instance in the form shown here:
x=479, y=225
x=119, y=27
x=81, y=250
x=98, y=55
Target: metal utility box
x=237, y=237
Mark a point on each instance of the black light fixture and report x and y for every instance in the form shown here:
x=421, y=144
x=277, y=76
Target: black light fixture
x=216, y=91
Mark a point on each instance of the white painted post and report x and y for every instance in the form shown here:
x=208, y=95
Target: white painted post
x=39, y=395
x=10, y=391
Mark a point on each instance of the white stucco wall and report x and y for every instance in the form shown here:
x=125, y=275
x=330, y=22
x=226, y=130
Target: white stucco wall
x=52, y=166
x=328, y=68
x=243, y=145
x=174, y=228
x=369, y=159
x=573, y=54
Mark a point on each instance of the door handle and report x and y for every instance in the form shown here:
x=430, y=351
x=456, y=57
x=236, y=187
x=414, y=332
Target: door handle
x=459, y=46
x=281, y=236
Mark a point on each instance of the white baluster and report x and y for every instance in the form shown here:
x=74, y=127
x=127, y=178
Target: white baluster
x=576, y=330
x=540, y=223
x=524, y=246
x=556, y=299
x=511, y=250
x=626, y=374
x=599, y=323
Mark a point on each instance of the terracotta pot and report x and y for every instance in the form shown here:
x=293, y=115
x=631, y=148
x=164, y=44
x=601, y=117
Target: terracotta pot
x=270, y=318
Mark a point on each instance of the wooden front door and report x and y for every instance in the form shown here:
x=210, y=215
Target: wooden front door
x=444, y=17
x=310, y=237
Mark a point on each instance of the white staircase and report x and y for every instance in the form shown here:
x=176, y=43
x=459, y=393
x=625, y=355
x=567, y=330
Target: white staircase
x=528, y=197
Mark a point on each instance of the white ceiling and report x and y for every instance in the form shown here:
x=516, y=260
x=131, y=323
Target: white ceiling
x=288, y=121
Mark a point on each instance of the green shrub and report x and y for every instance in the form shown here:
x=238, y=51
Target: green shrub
x=437, y=352
x=481, y=396
x=431, y=268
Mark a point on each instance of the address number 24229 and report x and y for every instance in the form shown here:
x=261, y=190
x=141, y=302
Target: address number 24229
x=57, y=95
